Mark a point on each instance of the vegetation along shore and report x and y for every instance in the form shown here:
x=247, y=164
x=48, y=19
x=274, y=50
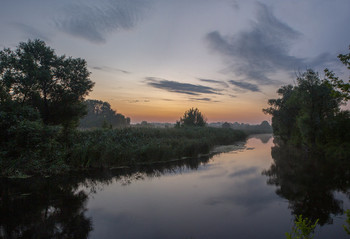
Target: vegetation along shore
x=42, y=98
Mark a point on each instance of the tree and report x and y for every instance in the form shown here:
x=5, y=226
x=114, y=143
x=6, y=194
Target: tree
x=33, y=75
x=226, y=125
x=342, y=89
x=192, y=117
x=304, y=111
x=100, y=113
x=284, y=111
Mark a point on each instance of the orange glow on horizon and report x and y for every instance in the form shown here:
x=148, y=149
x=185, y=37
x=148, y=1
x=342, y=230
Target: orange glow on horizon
x=170, y=113
x=169, y=107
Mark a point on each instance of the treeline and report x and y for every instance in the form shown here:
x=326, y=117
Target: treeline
x=263, y=127
x=309, y=114
x=99, y=114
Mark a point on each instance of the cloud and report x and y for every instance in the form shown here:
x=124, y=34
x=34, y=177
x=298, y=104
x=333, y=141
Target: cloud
x=245, y=85
x=214, y=81
x=235, y=5
x=138, y=101
x=201, y=99
x=30, y=31
x=109, y=69
x=177, y=87
x=263, y=50
x=95, y=20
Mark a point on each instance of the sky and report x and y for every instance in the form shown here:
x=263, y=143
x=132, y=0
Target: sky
x=154, y=59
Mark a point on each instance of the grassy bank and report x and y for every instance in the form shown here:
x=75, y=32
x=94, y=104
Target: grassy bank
x=43, y=151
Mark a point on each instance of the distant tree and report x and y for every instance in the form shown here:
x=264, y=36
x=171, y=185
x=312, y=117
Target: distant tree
x=265, y=124
x=193, y=117
x=226, y=125
x=100, y=114
x=33, y=75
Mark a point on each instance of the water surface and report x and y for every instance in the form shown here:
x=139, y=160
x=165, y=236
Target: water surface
x=223, y=196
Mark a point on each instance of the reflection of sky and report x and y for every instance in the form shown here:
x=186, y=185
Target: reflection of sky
x=227, y=199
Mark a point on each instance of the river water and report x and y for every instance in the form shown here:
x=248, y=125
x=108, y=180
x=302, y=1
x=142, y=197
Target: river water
x=232, y=194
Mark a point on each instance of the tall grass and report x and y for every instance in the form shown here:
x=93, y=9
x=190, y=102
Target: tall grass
x=49, y=150
x=130, y=146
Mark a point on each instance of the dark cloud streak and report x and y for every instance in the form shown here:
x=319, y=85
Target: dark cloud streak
x=201, y=99
x=178, y=87
x=245, y=85
x=214, y=81
x=108, y=69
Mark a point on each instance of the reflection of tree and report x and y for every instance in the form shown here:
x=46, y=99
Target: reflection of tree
x=55, y=207
x=42, y=208
x=264, y=138
x=308, y=182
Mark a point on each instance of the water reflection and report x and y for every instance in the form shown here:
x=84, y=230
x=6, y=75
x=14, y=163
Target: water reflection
x=55, y=207
x=264, y=138
x=309, y=181
x=220, y=196
x=38, y=208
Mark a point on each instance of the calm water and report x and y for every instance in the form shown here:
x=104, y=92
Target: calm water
x=223, y=196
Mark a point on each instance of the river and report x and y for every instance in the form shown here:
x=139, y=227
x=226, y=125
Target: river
x=237, y=193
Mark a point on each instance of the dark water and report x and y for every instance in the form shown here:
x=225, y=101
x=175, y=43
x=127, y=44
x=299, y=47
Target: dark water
x=243, y=193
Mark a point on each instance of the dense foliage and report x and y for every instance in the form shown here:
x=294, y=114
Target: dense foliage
x=342, y=88
x=191, y=118
x=309, y=113
x=55, y=86
x=100, y=114
x=41, y=98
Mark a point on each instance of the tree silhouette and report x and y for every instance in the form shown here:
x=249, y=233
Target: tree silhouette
x=192, y=117
x=33, y=75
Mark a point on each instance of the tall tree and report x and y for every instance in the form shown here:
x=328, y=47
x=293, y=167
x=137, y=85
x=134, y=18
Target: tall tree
x=33, y=75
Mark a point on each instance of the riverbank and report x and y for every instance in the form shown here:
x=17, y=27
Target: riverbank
x=57, y=152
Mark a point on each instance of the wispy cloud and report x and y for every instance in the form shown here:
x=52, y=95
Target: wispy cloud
x=245, y=85
x=263, y=50
x=139, y=101
x=178, y=87
x=223, y=83
x=201, y=99
x=30, y=31
x=109, y=69
x=95, y=20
